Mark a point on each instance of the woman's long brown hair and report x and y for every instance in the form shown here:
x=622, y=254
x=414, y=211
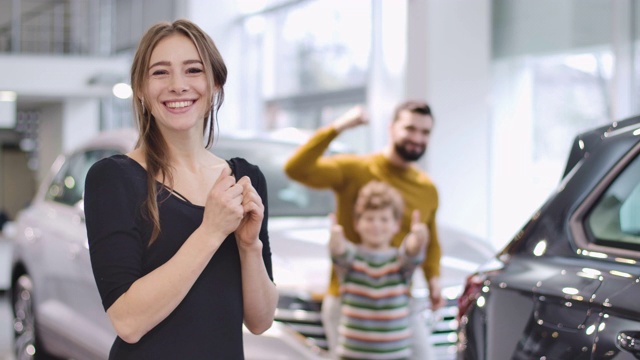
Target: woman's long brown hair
x=150, y=138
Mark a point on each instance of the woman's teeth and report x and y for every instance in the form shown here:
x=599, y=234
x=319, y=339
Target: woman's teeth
x=179, y=104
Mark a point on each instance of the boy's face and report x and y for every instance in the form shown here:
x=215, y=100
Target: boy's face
x=377, y=227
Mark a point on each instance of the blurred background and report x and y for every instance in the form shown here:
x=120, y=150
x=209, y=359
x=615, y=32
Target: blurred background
x=510, y=82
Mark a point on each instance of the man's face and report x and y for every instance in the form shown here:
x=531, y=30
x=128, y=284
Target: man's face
x=410, y=135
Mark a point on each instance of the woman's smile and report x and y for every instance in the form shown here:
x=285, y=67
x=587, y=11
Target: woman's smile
x=178, y=104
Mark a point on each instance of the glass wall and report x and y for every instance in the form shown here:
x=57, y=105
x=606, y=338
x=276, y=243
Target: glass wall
x=310, y=60
x=559, y=68
x=81, y=27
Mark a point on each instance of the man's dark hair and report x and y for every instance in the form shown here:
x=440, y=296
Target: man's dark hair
x=414, y=106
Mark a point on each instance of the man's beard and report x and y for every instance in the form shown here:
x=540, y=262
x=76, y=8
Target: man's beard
x=408, y=155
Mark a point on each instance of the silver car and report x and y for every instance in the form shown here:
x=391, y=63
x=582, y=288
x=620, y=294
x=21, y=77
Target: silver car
x=57, y=308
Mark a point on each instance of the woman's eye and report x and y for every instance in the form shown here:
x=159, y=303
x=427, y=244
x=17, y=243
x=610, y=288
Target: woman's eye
x=194, y=70
x=158, y=72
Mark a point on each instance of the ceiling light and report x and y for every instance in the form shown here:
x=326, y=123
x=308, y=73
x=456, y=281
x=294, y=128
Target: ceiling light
x=8, y=96
x=122, y=91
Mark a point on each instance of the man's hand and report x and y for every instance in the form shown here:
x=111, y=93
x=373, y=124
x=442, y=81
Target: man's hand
x=355, y=116
x=435, y=294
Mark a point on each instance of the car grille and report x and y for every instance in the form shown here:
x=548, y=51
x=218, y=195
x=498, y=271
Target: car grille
x=303, y=316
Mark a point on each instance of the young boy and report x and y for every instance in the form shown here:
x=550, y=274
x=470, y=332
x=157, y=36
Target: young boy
x=375, y=276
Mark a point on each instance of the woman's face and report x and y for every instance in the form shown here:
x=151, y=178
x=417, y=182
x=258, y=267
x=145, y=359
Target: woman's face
x=177, y=92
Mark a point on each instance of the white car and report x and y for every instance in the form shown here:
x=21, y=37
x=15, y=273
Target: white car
x=57, y=308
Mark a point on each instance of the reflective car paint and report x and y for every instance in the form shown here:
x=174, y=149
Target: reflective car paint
x=557, y=291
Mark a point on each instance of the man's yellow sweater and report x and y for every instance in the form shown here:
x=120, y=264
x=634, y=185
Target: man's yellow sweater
x=347, y=173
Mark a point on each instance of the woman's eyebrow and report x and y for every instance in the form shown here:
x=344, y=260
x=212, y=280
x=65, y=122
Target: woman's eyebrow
x=167, y=63
x=187, y=62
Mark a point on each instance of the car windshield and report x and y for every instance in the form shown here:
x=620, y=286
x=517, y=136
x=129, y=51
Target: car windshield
x=286, y=197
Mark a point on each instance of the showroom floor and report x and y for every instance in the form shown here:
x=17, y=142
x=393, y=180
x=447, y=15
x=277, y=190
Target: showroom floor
x=5, y=328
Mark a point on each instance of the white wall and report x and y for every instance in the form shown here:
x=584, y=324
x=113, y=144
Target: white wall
x=81, y=121
x=449, y=63
x=388, y=68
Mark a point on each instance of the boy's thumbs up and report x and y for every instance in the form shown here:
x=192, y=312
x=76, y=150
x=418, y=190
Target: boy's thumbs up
x=418, y=227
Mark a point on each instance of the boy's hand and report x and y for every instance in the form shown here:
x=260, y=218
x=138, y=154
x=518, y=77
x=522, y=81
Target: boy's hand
x=337, y=244
x=419, y=235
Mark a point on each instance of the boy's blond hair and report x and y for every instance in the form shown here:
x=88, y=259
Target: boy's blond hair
x=376, y=195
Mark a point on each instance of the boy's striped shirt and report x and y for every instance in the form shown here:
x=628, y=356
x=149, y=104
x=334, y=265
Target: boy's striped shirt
x=375, y=303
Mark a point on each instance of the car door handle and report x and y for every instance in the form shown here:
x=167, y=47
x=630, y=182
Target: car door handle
x=629, y=341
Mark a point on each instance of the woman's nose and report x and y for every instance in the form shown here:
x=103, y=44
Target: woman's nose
x=179, y=84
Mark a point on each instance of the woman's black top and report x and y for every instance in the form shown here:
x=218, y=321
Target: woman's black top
x=207, y=324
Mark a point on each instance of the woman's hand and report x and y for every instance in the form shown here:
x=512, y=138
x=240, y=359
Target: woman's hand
x=224, y=210
x=253, y=213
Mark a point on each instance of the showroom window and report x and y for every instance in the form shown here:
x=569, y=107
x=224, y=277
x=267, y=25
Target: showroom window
x=557, y=70
x=615, y=218
x=311, y=59
x=79, y=27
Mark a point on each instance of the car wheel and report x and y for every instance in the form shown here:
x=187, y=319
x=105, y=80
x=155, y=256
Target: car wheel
x=25, y=344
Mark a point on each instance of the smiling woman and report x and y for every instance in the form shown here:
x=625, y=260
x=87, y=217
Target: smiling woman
x=177, y=233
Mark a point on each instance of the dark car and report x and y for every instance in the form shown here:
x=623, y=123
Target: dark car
x=567, y=286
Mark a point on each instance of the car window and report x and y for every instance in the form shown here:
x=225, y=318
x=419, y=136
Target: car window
x=615, y=218
x=286, y=197
x=67, y=186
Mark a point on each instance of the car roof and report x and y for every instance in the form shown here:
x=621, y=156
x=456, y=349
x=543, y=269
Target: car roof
x=587, y=142
x=123, y=139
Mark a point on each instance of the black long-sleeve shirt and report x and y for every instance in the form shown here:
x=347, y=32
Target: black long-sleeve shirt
x=207, y=324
